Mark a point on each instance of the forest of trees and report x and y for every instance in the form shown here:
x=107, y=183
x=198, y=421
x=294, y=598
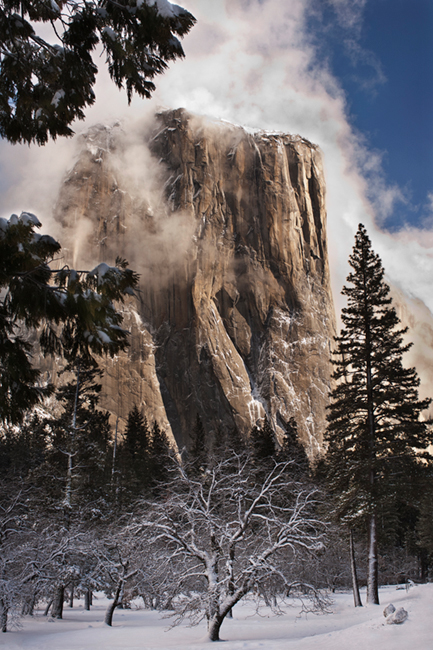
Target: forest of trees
x=83, y=510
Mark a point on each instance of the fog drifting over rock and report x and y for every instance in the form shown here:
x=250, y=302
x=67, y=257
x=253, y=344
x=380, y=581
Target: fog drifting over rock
x=253, y=62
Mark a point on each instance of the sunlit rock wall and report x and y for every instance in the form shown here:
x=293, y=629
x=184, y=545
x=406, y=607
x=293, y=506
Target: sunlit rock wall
x=235, y=316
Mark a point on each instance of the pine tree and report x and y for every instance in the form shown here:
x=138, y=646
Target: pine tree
x=227, y=443
x=47, y=72
x=25, y=302
x=79, y=449
x=134, y=453
x=197, y=455
x=71, y=313
x=235, y=442
x=375, y=437
x=23, y=448
x=424, y=525
x=293, y=450
x=161, y=461
x=137, y=436
x=262, y=443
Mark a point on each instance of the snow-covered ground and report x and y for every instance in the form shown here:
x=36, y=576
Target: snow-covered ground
x=346, y=628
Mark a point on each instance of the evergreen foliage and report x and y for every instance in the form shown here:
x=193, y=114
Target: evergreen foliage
x=79, y=452
x=293, y=450
x=197, y=454
x=70, y=313
x=262, y=443
x=136, y=436
x=134, y=453
x=227, y=443
x=219, y=444
x=375, y=437
x=25, y=302
x=425, y=521
x=161, y=461
x=47, y=81
x=22, y=449
x=235, y=443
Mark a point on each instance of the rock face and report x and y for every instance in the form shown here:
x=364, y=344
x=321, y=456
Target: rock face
x=235, y=316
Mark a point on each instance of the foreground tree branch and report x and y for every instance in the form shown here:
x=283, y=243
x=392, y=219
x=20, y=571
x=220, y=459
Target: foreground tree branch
x=45, y=86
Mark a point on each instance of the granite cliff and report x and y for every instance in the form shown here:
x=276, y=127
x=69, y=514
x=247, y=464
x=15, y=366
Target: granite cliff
x=235, y=315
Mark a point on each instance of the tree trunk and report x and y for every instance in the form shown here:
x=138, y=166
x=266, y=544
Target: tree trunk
x=355, y=585
x=112, y=606
x=29, y=606
x=215, y=622
x=3, y=616
x=214, y=628
x=423, y=565
x=57, y=610
x=372, y=584
x=114, y=481
x=47, y=608
x=121, y=596
x=71, y=597
x=87, y=599
x=71, y=452
x=231, y=583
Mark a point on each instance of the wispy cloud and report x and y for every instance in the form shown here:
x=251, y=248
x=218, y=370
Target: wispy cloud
x=255, y=63
x=362, y=57
x=350, y=13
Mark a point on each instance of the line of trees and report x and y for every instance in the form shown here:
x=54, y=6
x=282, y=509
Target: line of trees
x=190, y=539
x=195, y=539
x=195, y=534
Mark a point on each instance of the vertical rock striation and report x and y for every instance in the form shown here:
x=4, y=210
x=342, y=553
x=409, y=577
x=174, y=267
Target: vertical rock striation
x=235, y=315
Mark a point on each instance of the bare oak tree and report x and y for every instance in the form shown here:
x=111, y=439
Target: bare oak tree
x=213, y=539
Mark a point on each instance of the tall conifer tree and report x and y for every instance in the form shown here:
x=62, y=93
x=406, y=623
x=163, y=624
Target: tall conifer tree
x=262, y=443
x=375, y=437
x=161, y=460
x=134, y=452
x=78, y=452
x=293, y=450
x=198, y=452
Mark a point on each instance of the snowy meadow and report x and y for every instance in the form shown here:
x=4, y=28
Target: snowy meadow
x=345, y=628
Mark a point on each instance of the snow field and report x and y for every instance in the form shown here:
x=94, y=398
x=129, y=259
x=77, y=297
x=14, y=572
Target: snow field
x=346, y=628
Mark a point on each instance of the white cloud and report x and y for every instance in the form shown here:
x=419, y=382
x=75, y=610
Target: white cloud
x=349, y=13
x=254, y=63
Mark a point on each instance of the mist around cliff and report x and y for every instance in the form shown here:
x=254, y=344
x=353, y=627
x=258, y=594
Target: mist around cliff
x=254, y=63
x=157, y=235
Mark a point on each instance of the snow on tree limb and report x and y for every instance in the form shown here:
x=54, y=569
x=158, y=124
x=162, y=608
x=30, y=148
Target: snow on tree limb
x=45, y=83
x=223, y=529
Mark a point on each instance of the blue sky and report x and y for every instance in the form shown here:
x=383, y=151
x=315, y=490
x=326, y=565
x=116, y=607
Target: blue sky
x=353, y=76
x=387, y=75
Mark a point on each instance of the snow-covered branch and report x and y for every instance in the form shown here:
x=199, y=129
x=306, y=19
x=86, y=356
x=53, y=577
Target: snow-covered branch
x=220, y=533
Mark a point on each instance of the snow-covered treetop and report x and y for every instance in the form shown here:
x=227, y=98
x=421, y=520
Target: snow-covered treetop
x=77, y=308
x=165, y=8
x=26, y=218
x=47, y=78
